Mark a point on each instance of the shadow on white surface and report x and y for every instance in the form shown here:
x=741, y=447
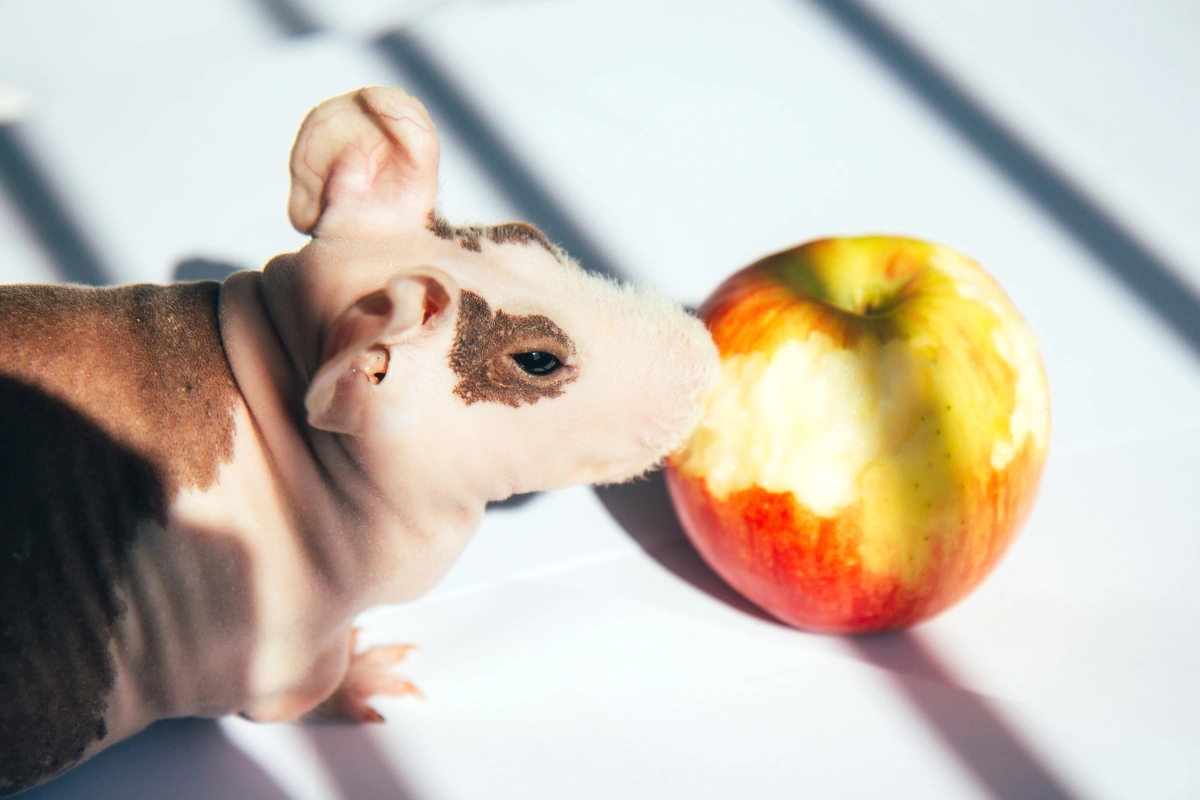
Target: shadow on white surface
x=643, y=509
x=45, y=213
x=514, y=502
x=192, y=759
x=1110, y=243
x=203, y=269
x=289, y=19
x=355, y=763
x=452, y=109
x=185, y=759
x=967, y=723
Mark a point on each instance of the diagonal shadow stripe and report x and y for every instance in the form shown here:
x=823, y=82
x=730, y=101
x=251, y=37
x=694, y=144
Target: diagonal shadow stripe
x=449, y=103
x=291, y=19
x=44, y=212
x=1112, y=245
x=968, y=725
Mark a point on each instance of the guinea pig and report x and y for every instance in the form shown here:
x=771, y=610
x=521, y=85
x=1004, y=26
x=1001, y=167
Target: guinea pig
x=202, y=484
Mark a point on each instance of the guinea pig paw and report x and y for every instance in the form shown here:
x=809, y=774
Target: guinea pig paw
x=368, y=675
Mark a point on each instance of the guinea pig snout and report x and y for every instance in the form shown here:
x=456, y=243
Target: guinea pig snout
x=372, y=363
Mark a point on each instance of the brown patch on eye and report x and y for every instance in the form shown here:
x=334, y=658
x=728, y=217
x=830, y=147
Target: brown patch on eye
x=470, y=236
x=484, y=344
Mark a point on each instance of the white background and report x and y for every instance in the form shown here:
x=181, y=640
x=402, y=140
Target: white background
x=580, y=648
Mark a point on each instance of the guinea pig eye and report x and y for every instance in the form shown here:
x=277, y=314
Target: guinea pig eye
x=537, y=362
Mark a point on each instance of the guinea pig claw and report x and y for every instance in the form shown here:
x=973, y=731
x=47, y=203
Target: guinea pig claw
x=382, y=657
x=367, y=675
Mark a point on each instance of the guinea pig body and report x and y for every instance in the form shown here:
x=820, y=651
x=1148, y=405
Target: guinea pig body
x=201, y=485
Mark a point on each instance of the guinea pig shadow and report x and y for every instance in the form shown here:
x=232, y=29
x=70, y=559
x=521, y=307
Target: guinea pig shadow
x=187, y=759
x=355, y=762
x=643, y=509
x=203, y=269
x=511, y=503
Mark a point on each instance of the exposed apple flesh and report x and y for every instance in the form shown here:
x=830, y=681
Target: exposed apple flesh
x=876, y=437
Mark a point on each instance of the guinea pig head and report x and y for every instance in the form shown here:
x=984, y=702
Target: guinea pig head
x=479, y=357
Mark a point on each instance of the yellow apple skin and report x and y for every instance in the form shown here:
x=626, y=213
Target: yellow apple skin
x=876, y=437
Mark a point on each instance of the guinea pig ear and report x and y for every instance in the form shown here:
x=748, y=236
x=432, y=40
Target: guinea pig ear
x=356, y=355
x=365, y=160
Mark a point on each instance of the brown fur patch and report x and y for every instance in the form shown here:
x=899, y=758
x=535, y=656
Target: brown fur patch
x=111, y=400
x=144, y=362
x=470, y=236
x=484, y=344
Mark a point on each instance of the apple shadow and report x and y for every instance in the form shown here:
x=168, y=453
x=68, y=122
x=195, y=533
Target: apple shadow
x=973, y=730
x=970, y=726
x=643, y=509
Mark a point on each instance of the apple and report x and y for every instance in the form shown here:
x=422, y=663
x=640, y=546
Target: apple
x=876, y=436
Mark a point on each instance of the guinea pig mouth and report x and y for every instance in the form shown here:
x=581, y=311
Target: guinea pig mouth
x=372, y=363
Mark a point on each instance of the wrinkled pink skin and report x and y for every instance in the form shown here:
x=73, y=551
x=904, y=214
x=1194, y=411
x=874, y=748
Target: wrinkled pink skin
x=344, y=493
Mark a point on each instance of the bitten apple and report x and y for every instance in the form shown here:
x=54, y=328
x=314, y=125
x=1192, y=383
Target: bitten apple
x=876, y=437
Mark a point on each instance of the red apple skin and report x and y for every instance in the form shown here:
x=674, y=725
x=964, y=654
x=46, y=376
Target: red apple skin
x=810, y=570
x=804, y=569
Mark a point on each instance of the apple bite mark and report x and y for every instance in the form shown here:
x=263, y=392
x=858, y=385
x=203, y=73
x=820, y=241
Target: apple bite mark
x=1015, y=344
x=806, y=419
x=808, y=570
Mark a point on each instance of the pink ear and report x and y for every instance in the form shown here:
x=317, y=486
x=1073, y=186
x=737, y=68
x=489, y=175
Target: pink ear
x=365, y=159
x=357, y=353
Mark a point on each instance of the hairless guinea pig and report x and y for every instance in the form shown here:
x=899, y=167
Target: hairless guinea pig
x=202, y=484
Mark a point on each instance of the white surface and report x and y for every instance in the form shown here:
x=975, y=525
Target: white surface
x=579, y=648
x=13, y=103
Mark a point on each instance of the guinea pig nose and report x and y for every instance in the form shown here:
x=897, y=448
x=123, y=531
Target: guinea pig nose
x=372, y=362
